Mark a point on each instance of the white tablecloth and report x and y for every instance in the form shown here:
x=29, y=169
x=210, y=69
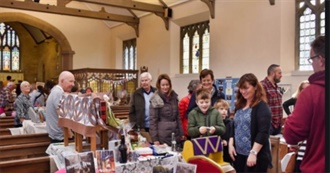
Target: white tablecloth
x=30, y=127
x=56, y=150
x=16, y=131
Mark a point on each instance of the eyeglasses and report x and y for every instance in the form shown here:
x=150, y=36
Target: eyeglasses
x=310, y=60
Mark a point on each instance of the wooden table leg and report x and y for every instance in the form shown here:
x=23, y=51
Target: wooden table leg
x=78, y=142
x=93, y=143
x=104, y=139
x=66, y=136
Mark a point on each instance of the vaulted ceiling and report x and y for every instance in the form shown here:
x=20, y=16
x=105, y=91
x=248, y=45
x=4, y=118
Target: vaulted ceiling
x=113, y=12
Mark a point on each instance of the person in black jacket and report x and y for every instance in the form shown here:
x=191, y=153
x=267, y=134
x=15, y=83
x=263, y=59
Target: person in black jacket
x=206, y=78
x=223, y=107
x=140, y=104
x=249, y=140
x=292, y=101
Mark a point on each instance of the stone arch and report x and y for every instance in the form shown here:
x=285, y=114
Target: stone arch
x=66, y=51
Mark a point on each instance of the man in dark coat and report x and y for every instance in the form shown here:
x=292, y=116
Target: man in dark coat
x=139, y=111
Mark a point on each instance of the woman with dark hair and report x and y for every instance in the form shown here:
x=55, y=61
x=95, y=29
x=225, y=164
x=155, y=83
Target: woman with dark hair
x=164, y=113
x=249, y=139
x=206, y=78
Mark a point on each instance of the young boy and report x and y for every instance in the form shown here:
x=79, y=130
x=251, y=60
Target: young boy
x=223, y=107
x=204, y=120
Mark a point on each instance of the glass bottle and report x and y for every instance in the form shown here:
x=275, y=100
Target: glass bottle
x=173, y=146
x=123, y=150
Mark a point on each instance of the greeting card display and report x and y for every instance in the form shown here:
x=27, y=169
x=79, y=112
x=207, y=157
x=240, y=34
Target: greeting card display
x=79, y=162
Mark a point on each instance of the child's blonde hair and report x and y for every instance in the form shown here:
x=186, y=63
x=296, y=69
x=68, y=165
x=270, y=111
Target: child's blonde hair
x=221, y=103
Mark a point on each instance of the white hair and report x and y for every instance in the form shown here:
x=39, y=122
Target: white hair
x=64, y=75
x=24, y=83
x=146, y=74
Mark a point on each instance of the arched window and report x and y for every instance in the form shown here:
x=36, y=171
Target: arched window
x=310, y=22
x=129, y=59
x=9, y=49
x=195, y=48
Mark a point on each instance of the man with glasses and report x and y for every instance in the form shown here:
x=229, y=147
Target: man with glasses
x=274, y=97
x=307, y=121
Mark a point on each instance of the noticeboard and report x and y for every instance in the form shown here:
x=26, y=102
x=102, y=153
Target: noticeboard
x=228, y=87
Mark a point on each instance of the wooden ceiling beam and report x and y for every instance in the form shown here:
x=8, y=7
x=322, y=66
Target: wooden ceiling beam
x=61, y=9
x=161, y=11
x=210, y=4
x=128, y=4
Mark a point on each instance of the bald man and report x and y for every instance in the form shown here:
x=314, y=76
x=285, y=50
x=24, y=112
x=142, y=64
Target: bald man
x=65, y=84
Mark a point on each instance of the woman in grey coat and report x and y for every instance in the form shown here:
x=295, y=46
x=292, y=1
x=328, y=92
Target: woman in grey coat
x=164, y=113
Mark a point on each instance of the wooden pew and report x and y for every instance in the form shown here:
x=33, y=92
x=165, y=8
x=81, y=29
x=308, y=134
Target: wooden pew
x=275, y=151
x=23, y=139
x=12, y=152
x=4, y=132
x=30, y=165
x=7, y=125
x=121, y=111
x=7, y=122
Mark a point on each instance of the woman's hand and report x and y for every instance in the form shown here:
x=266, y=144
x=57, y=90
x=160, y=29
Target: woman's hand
x=232, y=152
x=224, y=143
x=252, y=160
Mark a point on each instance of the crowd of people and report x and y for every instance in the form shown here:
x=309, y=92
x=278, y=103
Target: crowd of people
x=258, y=114
x=17, y=98
x=205, y=112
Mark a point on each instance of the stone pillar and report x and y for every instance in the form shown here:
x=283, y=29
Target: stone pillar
x=67, y=60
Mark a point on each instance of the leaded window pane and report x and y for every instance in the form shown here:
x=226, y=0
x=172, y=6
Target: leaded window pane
x=9, y=49
x=129, y=59
x=195, y=47
x=311, y=23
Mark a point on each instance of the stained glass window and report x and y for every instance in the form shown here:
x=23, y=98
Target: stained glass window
x=9, y=49
x=310, y=23
x=195, y=47
x=129, y=59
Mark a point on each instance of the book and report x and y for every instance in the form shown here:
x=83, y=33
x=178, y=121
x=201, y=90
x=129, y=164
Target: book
x=105, y=161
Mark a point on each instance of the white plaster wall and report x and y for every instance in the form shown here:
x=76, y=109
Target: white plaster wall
x=246, y=36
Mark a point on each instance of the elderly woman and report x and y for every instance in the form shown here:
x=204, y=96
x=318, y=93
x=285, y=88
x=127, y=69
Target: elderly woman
x=249, y=139
x=164, y=113
x=22, y=104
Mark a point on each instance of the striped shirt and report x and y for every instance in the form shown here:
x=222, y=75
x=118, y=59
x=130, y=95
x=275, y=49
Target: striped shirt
x=22, y=105
x=5, y=97
x=301, y=151
x=274, y=100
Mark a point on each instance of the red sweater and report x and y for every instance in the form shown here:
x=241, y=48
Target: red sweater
x=183, y=106
x=307, y=121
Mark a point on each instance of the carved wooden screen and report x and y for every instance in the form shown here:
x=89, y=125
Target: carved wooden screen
x=106, y=80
